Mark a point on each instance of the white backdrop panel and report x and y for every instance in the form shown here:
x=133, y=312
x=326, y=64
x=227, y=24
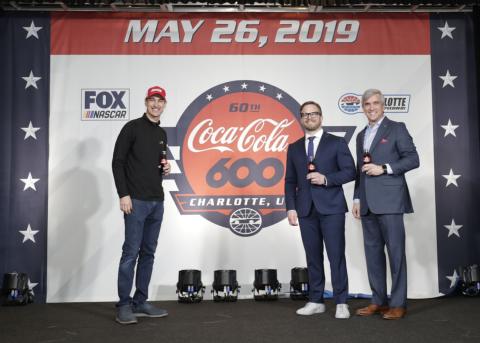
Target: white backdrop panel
x=85, y=230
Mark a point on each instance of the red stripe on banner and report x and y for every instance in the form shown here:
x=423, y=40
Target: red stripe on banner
x=240, y=33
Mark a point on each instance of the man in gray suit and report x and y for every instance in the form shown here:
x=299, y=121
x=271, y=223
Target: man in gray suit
x=385, y=152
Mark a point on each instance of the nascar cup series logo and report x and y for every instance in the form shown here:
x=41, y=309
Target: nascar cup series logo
x=105, y=104
x=235, y=137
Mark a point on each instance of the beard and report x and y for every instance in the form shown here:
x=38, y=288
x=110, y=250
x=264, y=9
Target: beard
x=312, y=126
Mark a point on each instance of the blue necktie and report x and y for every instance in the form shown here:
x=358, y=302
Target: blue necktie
x=310, y=148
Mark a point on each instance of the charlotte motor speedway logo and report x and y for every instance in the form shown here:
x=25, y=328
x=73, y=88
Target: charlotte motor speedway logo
x=351, y=103
x=233, y=149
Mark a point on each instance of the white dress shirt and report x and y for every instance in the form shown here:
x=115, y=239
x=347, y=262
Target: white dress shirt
x=316, y=141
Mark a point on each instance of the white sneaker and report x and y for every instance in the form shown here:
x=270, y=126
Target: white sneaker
x=342, y=311
x=311, y=308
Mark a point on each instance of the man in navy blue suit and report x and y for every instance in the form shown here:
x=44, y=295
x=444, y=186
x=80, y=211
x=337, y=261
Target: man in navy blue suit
x=385, y=152
x=315, y=199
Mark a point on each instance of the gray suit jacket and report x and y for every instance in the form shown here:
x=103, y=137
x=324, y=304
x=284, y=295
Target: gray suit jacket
x=388, y=193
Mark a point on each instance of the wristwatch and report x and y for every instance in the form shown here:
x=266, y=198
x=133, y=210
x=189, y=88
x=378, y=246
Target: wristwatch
x=384, y=167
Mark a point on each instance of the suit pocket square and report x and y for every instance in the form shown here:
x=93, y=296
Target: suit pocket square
x=383, y=140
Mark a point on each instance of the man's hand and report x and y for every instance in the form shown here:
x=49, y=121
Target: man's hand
x=316, y=178
x=166, y=168
x=292, y=217
x=372, y=169
x=356, y=210
x=126, y=204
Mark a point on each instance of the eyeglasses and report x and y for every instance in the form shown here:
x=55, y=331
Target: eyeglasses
x=311, y=114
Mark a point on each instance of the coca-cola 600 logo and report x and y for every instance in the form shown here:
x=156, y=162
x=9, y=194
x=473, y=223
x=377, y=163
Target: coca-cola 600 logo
x=235, y=136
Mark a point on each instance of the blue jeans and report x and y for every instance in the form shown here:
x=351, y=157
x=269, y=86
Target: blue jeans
x=142, y=227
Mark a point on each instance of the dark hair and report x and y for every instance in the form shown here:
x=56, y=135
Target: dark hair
x=311, y=103
x=156, y=96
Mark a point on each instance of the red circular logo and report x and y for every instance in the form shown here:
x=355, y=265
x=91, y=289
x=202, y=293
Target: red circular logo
x=233, y=152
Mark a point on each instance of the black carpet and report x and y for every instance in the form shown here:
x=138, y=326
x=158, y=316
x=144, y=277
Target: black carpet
x=452, y=320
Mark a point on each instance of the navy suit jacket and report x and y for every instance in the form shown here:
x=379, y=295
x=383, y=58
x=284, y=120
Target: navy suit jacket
x=332, y=159
x=387, y=193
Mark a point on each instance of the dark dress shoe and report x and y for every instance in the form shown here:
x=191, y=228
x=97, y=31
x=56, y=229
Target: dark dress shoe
x=395, y=313
x=371, y=310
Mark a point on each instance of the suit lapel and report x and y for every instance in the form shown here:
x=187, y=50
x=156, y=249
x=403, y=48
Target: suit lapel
x=360, y=142
x=381, y=133
x=301, y=146
x=321, y=144
x=301, y=152
x=361, y=137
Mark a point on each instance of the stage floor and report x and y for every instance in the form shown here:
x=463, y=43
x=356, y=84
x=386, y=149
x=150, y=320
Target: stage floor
x=452, y=320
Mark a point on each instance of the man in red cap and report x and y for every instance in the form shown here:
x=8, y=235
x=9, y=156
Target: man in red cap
x=139, y=164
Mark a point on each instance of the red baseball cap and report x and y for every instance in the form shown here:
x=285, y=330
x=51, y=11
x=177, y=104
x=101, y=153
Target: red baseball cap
x=156, y=90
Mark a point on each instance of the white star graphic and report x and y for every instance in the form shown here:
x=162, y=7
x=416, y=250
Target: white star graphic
x=451, y=178
x=262, y=88
x=453, y=279
x=32, y=285
x=226, y=88
x=28, y=234
x=244, y=85
x=29, y=182
x=32, y=30
x=30, y=131
x=446, y=31
x=453, y=228
x=448, y=79
x=31, y=80
x=450, y=128
x=209, y=97
x=279, y=96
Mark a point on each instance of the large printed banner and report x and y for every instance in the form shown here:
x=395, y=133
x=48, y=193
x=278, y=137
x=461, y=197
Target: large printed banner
x=234, y=86
x=241, y=34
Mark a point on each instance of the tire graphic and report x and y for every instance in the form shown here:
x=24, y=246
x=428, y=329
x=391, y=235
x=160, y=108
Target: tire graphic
x=245, y=221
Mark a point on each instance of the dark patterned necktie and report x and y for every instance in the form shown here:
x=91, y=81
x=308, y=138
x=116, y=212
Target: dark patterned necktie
x=310, y=148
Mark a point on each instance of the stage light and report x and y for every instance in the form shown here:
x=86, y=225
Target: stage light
x=15, y=289
x=225, y=286
x=299, y=284
x=189, y=286
x=266, y=285
x=469, y=278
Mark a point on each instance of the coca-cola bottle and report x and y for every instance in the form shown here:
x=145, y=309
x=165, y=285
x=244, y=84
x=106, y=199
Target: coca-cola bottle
x=367, y=158
x=163, y=156
x=310, y=165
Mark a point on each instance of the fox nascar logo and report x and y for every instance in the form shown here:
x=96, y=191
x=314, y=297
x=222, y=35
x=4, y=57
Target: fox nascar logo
x=351, y=103
x=105, y=104
x=233, y=148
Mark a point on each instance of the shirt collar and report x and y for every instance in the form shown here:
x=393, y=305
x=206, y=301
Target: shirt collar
x=151, y=122
x=317, y=134
x=377, y=124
